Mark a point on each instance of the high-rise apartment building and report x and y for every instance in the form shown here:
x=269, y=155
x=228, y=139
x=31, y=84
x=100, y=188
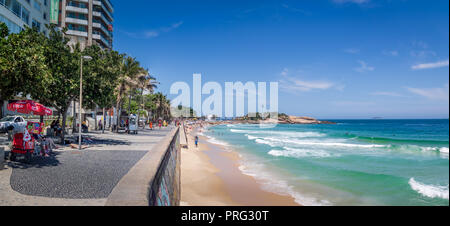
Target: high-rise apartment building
x=18, y=14
x=88, y=21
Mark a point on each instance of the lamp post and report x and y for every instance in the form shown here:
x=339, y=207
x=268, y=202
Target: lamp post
x=81, y=97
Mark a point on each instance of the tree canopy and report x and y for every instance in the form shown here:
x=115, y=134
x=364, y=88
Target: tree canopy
x=47, y=69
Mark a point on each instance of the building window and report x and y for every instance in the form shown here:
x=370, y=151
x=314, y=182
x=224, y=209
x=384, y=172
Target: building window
x=17, y=8
x=78, y=4
x=37, y=5
x=13, y=28
x=77, y=16
x=36, y=24
x=76, y=27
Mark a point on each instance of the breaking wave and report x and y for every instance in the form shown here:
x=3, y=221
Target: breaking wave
x=431, y=191
x=270, y=182
x=213, y=140
x=280, y=133
x=300, y=153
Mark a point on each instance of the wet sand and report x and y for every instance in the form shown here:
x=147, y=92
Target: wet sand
x=210, y=176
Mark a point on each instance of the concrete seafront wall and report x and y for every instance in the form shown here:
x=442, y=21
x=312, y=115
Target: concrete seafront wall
x=155, y=179
x=2, y=157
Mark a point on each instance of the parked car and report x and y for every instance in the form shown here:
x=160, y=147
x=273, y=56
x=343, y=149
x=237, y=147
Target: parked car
x=15, y=122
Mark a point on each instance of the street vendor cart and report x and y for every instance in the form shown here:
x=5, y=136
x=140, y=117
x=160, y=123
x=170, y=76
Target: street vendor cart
x=132, y=124
x=24, y=138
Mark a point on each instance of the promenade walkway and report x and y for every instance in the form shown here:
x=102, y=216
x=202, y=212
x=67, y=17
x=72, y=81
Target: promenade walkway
x=76, y=178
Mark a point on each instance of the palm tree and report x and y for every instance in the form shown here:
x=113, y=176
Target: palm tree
x=136, y=84
x=162, y=106
x=167, y=110
x=130, y=70
x=148, y=83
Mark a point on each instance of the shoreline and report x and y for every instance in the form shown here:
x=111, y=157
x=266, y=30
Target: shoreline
x=210, y=176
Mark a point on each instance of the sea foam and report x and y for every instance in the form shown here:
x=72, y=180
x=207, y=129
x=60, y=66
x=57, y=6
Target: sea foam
x=431, y=191
x=277, y=142
x=271, y=183
x=443, y=150
x=301, y=153
x=279, y=133
x=415, y=149
x=213, y=140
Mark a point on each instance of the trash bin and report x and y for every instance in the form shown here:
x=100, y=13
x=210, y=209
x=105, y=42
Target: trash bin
x=2, y=158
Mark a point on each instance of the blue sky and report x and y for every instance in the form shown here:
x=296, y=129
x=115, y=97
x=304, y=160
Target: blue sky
x=332, y=58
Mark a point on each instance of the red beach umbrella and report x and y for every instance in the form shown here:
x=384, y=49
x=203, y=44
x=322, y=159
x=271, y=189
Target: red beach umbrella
x=29, y=107
x=39, y=109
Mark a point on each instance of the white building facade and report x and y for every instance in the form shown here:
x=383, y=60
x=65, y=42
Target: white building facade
x=88, y=21
x=18, y=14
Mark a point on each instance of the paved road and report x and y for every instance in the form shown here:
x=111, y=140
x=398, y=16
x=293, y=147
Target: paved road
x=74, y=175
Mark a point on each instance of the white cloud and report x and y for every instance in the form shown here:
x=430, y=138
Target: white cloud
x=171, y=27
x=422, y=53
x=351, y=1
x=420, y=44
x=352, y=51
x=391, y=52
x=299, y=85
x=421, y=50
x=296, y=10
x=431, y=65
x=364, y=67
x=432, y=93
x=153, y=33
x=284, y=72
x=353, y=103
x=384, y=93
x=340, y=87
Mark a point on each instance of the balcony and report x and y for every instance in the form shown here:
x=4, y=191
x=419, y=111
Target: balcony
x=96, y=25
x=98, y=37
x=109, y=5
x=104, y=6
x=77, y=9
x=76, y=21
x=99, y=14
x=77, y=33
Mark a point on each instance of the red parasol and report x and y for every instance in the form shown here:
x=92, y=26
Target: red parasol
x=29, y=107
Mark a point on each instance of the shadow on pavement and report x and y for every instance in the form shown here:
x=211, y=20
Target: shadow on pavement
x=98, y=141
x=36, y=162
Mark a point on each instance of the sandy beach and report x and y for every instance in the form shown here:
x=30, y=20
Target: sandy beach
x=210, y=176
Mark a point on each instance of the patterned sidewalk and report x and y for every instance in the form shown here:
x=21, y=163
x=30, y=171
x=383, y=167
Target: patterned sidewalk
x=74, y=178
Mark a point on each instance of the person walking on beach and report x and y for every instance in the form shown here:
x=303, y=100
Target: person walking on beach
x=196, y=141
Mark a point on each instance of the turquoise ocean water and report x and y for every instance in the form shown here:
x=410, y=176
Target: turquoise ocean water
x=356, y=162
